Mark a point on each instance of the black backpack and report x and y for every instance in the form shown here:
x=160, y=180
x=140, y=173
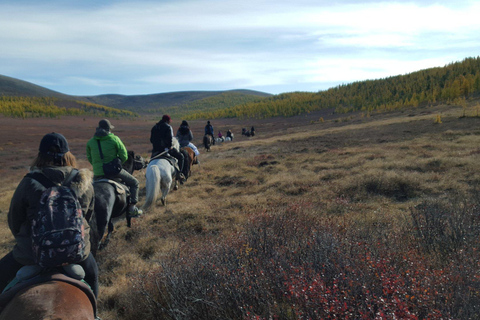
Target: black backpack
x=58, y=232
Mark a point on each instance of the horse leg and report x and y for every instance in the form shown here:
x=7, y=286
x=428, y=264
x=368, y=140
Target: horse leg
x=104, y=203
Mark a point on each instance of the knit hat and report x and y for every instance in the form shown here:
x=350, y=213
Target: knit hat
x=166, y=118
x=53, y=140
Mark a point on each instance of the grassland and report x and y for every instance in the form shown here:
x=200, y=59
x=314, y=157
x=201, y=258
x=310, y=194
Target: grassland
x=353, y=218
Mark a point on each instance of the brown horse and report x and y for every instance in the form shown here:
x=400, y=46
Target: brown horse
x=207, y=141
x=190, y=159
x=49, y=300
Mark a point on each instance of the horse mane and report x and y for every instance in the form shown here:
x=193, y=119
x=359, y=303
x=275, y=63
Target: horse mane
x=175, y=143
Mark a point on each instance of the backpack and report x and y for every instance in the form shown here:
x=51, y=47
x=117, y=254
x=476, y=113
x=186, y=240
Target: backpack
x=58, y=233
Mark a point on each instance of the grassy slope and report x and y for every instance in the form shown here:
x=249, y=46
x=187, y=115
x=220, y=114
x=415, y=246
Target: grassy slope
x=366, y=172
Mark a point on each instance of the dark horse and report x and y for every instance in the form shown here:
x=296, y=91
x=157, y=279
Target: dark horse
x=111, y=199
x=207, y=141
x=190, y=157
x=50, y=297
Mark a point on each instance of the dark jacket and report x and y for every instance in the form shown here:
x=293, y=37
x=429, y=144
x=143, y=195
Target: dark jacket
x=184, y=136
x=209, y=129
x=24, y=205
x=161, y=137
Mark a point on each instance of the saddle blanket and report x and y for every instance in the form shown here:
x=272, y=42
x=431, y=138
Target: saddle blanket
x=119, y=188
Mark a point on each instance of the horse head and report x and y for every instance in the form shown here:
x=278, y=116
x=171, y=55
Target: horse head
x=49, y=296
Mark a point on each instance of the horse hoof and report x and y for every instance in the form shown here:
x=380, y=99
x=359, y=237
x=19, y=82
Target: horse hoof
x=176, y=187
x=164, y=202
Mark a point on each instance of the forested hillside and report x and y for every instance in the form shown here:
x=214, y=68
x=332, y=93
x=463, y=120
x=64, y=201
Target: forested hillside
x=179, y=103
x=455, y=82
x=23, y=107
x=220, y=101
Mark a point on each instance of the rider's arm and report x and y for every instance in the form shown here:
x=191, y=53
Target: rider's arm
x=121, y=150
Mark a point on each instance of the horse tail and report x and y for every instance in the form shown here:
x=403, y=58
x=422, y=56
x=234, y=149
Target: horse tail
x=152, y=186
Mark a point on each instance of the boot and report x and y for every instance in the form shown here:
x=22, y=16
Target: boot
x=181, y=177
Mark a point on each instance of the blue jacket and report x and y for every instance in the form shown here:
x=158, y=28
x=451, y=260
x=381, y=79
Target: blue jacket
x=209, y=129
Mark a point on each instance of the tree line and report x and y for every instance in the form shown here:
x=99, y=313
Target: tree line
x=454, y=82
x=31, y=107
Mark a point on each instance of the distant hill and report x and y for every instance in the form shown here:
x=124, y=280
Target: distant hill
x=18, y=88
x=179, y=103
x=456, y=83
x=174, y=103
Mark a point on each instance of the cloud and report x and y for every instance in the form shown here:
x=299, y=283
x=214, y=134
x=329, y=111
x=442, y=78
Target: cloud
x=146, y=46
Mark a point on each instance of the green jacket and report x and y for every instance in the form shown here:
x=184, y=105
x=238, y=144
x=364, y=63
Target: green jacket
x=112, y=147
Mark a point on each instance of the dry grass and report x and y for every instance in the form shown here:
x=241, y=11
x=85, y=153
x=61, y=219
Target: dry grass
x=362, y=176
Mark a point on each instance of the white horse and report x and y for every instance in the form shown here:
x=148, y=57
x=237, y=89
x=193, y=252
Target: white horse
x=160, y=175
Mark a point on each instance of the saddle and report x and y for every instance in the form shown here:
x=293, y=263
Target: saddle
x=29, y=276
x=120, y=188
x=166, y=156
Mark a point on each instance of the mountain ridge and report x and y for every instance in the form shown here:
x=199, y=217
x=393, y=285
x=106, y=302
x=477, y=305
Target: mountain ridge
x=159, y=102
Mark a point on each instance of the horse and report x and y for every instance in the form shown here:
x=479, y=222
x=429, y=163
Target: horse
x=111, y=200
x=190, y=159
x=160, y=175
x=207, y=141
x=49, y=297
x=220, y=139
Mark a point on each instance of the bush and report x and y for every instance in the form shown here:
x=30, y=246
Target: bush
x=294, y=263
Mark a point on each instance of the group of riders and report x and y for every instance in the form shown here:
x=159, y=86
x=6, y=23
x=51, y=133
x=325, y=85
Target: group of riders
x=55, y=167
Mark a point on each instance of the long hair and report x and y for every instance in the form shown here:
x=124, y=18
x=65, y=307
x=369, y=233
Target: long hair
x=54, y=159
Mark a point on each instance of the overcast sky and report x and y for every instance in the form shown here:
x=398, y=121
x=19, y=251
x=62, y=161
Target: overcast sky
x=90, y=47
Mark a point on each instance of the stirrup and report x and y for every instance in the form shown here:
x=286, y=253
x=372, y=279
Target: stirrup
x=135, y=212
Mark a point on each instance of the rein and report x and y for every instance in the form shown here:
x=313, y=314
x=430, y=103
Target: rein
x=158, y=155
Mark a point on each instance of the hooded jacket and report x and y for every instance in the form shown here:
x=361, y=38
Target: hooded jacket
x=25, y=201
x=112, y=147
x=161, y=137
x=184, y=135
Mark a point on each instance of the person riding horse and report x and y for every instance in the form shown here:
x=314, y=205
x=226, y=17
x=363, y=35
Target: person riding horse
x=209, y=131
x=229, y=134
x=55, y=162
x=104, y=147
x=161, y=137
x=185, y=137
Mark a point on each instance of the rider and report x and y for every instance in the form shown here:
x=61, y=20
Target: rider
x=112, y=147
x=55, y=162
x=185, y=137
x=209, y=130
x=161, y=137
x=229, y=134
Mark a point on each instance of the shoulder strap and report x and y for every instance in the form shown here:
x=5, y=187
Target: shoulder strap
x=47, y=183
x=100, y=149
x=68, y=180
x=40, y=177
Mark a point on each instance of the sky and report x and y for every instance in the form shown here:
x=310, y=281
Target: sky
x=92, y=47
